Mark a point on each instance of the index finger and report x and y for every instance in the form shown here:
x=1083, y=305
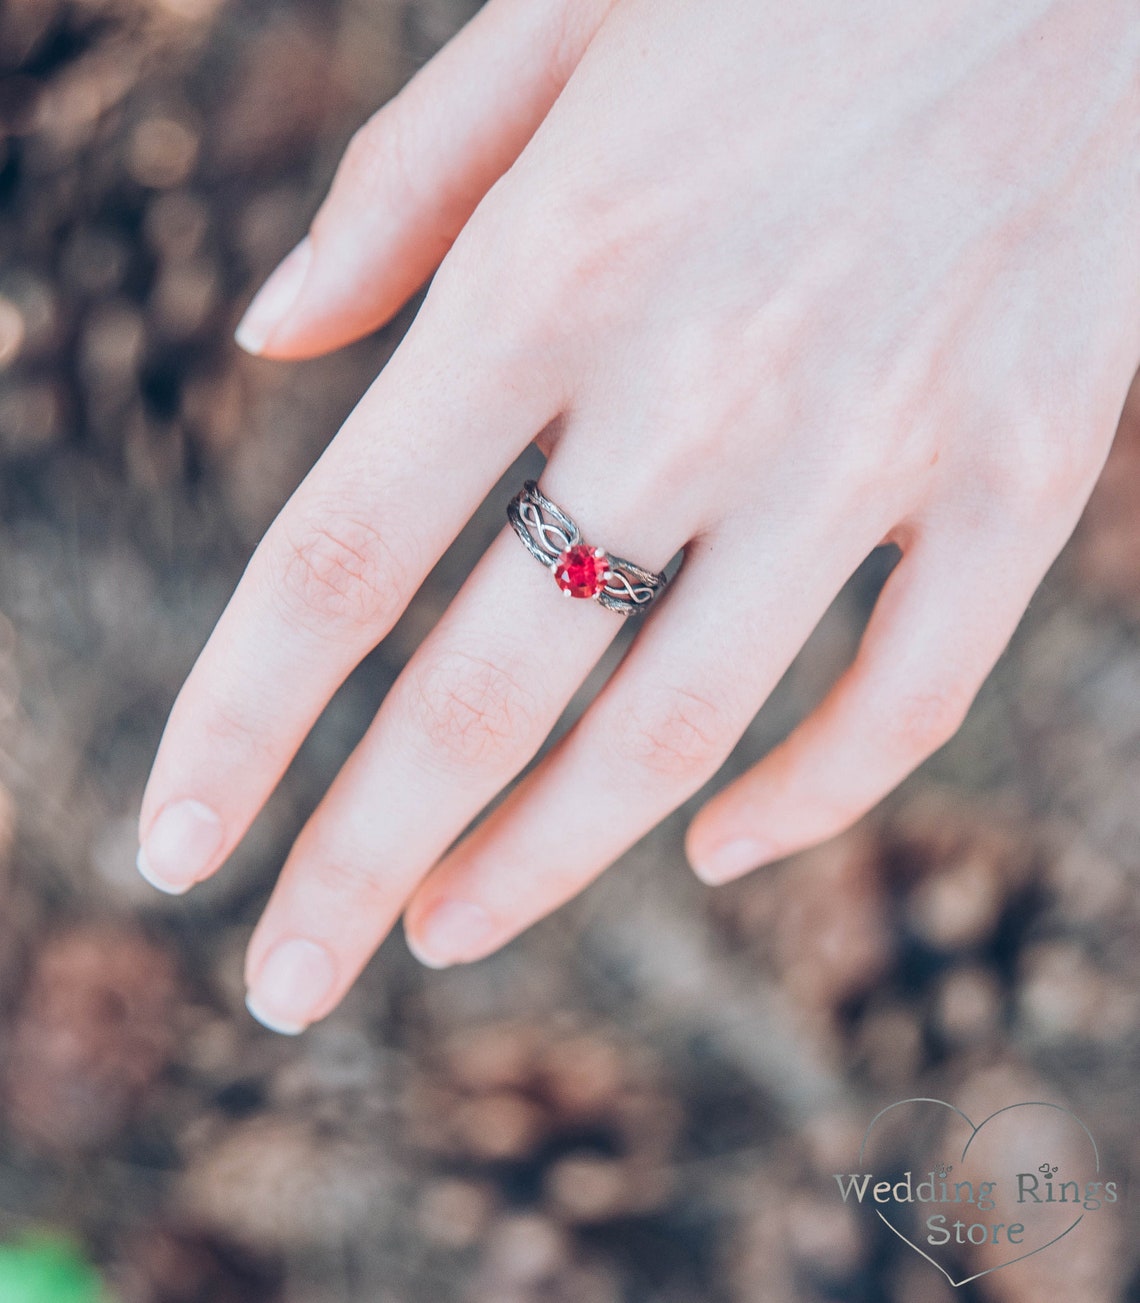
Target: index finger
x=332, y=575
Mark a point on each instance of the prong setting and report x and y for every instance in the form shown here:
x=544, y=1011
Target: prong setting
x=579, y=569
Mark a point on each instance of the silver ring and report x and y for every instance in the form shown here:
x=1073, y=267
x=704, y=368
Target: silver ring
x=579, y=569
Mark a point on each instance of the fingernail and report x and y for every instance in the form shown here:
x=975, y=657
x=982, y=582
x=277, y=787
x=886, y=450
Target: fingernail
x=179, y=847
x=452, y=932
x=295, y=979
x=732, y=859
x=272, y=302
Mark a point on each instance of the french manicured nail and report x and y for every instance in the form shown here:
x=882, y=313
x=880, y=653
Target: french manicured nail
x=295, y=979
x=731, y=860
x=179, y=847
x=452, y=932
x=272, y=302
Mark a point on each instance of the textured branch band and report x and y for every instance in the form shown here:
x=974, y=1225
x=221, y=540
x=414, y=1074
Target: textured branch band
x=551, y=537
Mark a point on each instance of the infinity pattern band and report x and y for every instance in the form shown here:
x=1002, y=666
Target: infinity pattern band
x=579, y=569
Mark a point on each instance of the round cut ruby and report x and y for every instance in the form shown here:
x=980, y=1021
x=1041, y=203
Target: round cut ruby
x=580, y=572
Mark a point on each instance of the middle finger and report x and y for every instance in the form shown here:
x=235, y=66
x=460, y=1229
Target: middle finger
x=331, y=576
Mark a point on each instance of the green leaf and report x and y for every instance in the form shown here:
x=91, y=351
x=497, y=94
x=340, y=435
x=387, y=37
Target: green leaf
x=47, y=1268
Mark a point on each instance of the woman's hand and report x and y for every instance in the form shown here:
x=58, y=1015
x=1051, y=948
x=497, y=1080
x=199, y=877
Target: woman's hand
x=771, y=284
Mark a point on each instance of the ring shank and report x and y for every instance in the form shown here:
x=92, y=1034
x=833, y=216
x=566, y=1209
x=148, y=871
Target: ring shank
x=548, y=533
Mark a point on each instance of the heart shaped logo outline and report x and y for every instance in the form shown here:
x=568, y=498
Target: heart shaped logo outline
x=974, y=1130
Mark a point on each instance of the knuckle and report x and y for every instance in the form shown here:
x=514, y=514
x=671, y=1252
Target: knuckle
x=603, y=242
x=573, y=269
x=1037, y=472
x=1019, y=480
x=337, y=571
x=341, y=876
x=577, y=265
x=486, y=276
x=918, y=723
x=377, y=160
x=574, y=26
x=467, y=709
x=234, y=730
x=874, y=453
x=670, y=732
x=1053, y=472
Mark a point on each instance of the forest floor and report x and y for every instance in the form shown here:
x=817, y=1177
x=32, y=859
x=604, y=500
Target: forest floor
x=641, y=1100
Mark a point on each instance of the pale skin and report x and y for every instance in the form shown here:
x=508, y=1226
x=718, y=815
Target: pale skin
x=770, y=284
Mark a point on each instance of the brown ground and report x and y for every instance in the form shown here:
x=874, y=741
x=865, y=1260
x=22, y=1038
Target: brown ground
x=643, y=1099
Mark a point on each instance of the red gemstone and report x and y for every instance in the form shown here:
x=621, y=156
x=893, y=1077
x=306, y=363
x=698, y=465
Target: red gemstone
x=580, y=572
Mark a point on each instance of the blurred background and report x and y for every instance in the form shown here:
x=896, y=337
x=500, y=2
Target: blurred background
x=641, y=1099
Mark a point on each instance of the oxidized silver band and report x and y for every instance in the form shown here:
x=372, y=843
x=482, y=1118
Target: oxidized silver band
x=579, y=570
